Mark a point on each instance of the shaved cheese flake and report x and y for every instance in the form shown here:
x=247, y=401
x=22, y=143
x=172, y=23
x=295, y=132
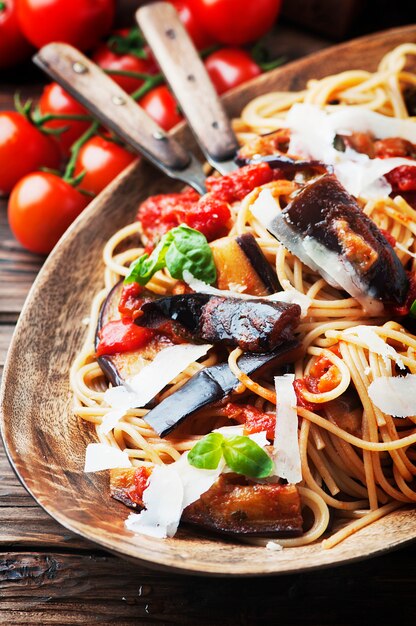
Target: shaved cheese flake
x=163, y=499
x=274, y=546
x=99, y=456
x=168, y=363
x=286, y=442
x=111, y=420
x=265, y=207
x=313, y=131
x=394, y=395
x=376, y=344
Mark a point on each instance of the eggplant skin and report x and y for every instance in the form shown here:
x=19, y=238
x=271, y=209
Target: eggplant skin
x=235, y=506
x=214, y=384
x=258, y=261
x=288, y=165
x=325, y=212
x=255, y=325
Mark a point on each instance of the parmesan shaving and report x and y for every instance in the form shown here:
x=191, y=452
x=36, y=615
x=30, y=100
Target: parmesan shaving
x=286, y=442
x=275, y=547
x=140, y=389
x=99, y=456
x=376, y=344
x=313, y=131
x=394, y=395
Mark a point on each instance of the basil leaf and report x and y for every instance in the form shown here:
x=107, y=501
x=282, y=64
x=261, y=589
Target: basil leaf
x=207, y=453
x=244, y=456
x=142, y=270
x=182, y=248
x=190, y=251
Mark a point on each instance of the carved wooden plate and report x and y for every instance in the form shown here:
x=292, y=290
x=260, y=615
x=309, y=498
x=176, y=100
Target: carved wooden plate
x=46, y=442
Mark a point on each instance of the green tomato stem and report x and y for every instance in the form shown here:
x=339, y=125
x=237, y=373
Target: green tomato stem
x=75, y=117
x=147, y=86
x=75, y=148
x=2, y=6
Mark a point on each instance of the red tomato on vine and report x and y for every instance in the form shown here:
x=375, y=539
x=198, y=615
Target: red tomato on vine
x=23, y=149
x=41, y=207
x=81, y=23
x=230, y=67
x=57, y=101
x=102, y=161
x=236, y=22
x=161, y=106
x=14, y=47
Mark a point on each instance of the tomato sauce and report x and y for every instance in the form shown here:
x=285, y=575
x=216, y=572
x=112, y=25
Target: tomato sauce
x=122, y=336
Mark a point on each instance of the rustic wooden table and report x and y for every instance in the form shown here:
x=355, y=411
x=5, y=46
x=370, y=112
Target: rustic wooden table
x=50, y=576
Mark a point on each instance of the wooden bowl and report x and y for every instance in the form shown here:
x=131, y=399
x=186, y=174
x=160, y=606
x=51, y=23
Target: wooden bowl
x=46, y=442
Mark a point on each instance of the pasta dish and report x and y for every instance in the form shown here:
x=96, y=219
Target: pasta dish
x=250, y=364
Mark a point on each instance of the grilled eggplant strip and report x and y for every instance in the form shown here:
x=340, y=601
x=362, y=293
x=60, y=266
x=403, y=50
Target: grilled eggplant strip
x=253, y=325
x=259, y=263
x=325, y=228
x=214, y=384
x=232, y=505
x=287, y=164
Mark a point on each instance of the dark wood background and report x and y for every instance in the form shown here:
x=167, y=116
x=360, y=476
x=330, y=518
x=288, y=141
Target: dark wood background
x=50, y=576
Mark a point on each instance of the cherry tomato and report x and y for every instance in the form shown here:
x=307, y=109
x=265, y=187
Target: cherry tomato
x=14, y=47
x=161, y=106
x=110, y=60
x=41, y=207
x=23, y=149
x=81, y=23
x=236, y=22
x=56, y=100
x=194, y=27
x=122, y=336
x=230, y=67
x=102, y=161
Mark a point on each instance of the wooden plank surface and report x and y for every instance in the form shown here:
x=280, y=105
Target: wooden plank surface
x=50, y=576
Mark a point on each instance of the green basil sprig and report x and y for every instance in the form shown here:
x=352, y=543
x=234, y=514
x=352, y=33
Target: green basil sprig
x=182, y=248
x=242, y=455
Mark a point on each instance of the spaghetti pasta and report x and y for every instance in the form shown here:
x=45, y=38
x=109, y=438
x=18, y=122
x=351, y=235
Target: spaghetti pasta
x=365, y=471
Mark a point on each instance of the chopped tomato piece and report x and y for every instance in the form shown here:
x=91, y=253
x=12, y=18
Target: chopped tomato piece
x=130, y=300
x=394, y=147
x=159, y=214
x=238, y=184
x=326, y=373
x=122, y=336
x=403, y=178
x=210, y=216
x=140, y=480
x=299, y=385
x=254, y=420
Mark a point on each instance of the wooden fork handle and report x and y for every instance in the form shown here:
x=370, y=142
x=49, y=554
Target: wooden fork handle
x=188, y=79
x=111, y=105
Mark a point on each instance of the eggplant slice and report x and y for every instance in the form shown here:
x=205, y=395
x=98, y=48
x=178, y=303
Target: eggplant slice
x=214, y=384
x=254, y=325
x=233, y=505
x=327, y=230
x=119, y=367
x=287, y=164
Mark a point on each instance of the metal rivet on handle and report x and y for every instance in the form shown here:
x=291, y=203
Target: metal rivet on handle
x=118, y=100
x=158, y=135
x=79, y=68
